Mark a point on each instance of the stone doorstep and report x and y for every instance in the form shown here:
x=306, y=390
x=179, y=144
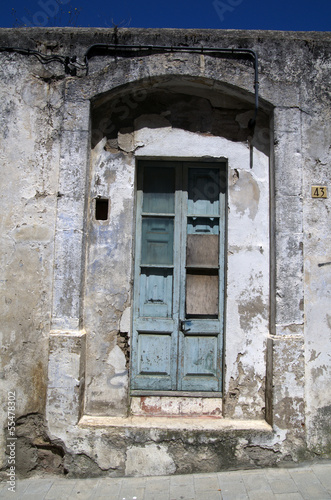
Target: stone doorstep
x=158, y=406
x=202, y=423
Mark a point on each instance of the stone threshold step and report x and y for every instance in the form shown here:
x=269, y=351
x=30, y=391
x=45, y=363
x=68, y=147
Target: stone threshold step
x=181, y=423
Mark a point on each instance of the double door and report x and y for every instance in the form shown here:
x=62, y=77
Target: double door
x=178, y=313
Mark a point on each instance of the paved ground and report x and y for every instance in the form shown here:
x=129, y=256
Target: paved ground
x=311, y=481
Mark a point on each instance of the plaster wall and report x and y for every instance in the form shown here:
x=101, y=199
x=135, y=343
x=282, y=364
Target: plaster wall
x=29, y=157
x=67, y=279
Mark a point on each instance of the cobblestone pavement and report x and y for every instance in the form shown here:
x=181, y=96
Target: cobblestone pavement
x=311, y=481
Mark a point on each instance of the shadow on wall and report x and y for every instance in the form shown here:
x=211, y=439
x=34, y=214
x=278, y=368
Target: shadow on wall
x=193, y=109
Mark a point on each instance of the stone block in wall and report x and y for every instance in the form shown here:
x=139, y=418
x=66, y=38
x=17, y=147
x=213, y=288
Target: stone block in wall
x=287, y=152
x=289, y=280
x=74, y=153
x=66, y=371
x=289, y=214
x=69, y=213
x=76, y=115
x=288, y=384
x=67, y=282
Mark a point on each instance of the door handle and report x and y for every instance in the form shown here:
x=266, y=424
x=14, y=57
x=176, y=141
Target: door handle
x=182, y=325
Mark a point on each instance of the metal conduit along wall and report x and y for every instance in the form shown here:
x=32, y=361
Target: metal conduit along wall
x=71, y=64
x=133, y=50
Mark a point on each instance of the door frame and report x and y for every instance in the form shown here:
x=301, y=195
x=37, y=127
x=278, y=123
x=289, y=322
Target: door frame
x=180, y=277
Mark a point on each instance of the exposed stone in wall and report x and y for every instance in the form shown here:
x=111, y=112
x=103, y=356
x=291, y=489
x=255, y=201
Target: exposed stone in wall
x=288, y=394
x=320, y=426
x=36, y=453
x=123, y=344
x=243, y=393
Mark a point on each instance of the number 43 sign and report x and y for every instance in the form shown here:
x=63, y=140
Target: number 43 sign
x=319, y=192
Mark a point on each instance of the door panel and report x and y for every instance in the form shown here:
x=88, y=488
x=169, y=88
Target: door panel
x=200, y=363
x=200, y=355
x=200, y=340
x=179, y=277
x=157, y=241
x=156, y=293
x=154, y=354
x=154, y=361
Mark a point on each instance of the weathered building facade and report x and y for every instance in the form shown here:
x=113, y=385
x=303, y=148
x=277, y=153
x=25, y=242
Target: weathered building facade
x=166, y=271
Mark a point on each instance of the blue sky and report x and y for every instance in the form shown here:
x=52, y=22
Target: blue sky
x=294, y=15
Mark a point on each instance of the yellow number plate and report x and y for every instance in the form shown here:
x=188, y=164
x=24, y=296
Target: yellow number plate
x=319, y=192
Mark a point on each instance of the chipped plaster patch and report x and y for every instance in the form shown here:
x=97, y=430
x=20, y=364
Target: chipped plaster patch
x=125, y=320
x=245, y=194
x=151, y=460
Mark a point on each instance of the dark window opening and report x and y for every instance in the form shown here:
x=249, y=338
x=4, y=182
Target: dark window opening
x=101, y=209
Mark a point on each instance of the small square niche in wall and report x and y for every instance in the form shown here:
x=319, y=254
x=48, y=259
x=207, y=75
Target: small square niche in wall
x=101, y=208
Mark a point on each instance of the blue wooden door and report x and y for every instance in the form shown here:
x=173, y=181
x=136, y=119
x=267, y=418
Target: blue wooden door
x=179, y=277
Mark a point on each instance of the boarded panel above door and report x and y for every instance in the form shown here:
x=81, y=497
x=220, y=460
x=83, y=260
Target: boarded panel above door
x=202, y=250
x=202, y=295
